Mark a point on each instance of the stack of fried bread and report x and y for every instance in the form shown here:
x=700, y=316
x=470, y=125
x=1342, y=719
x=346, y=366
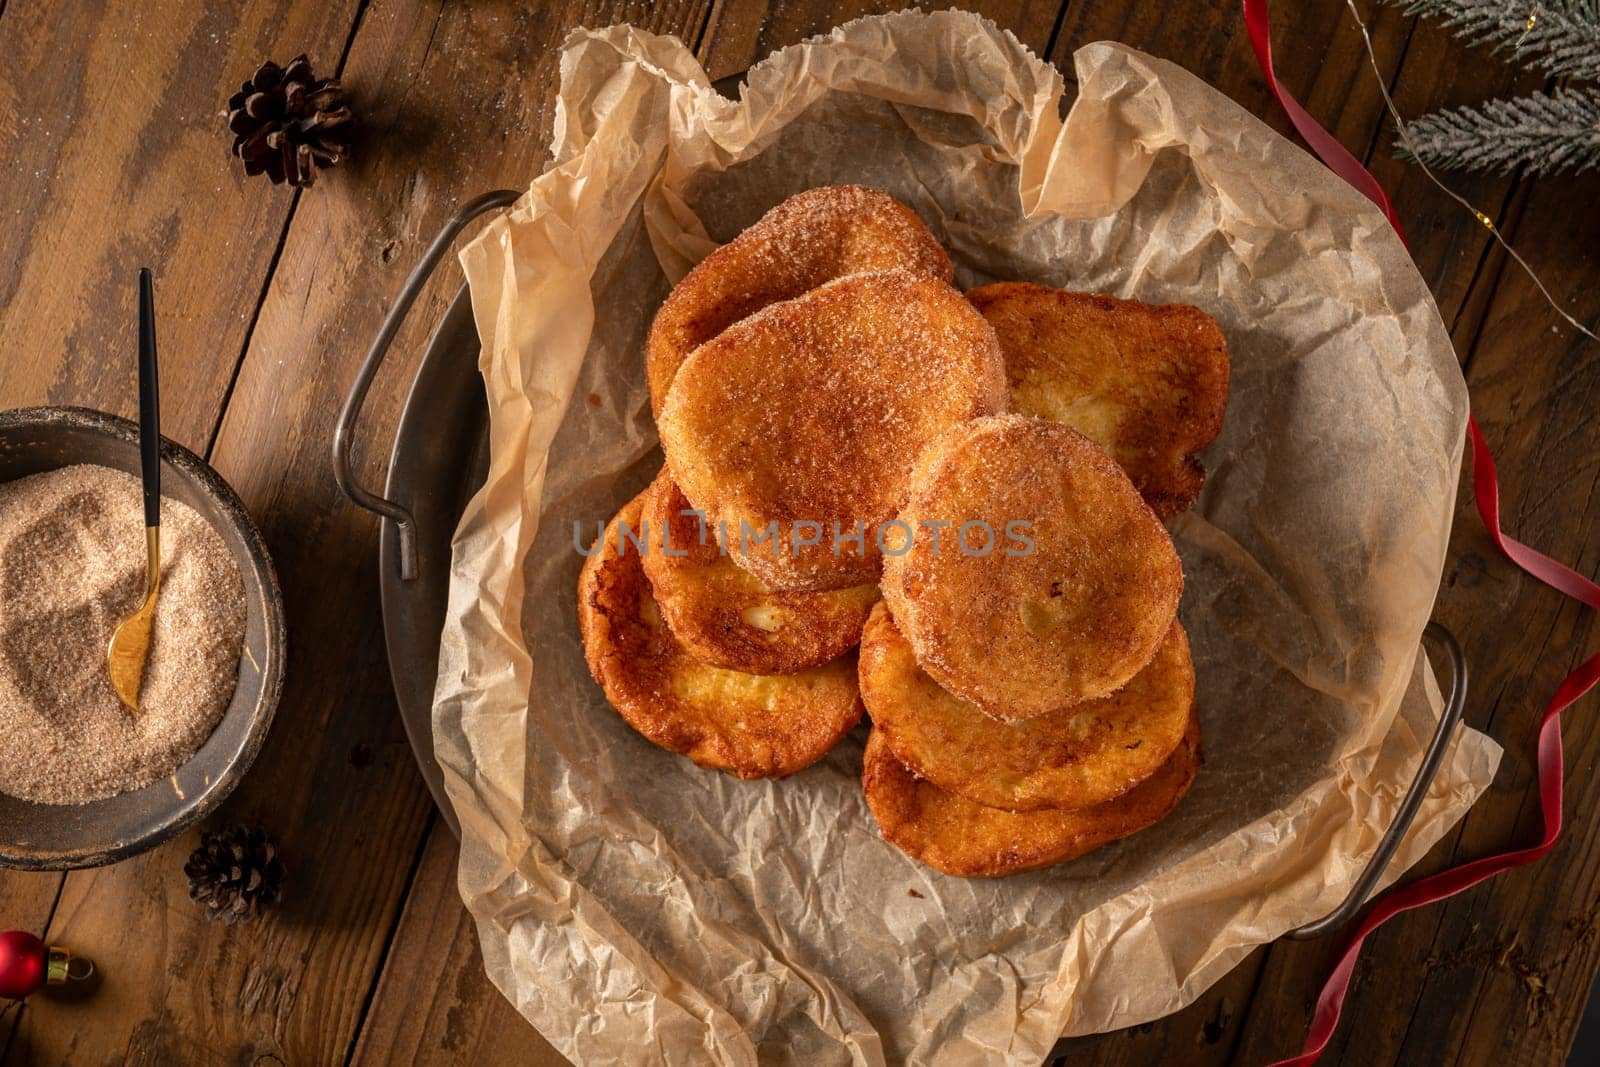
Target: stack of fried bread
x=970, y=488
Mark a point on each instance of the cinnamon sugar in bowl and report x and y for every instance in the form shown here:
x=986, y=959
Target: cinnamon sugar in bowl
x=96, y=819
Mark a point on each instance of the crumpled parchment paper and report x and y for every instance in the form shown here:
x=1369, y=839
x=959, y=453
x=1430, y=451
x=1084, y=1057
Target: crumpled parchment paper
x=630, y=904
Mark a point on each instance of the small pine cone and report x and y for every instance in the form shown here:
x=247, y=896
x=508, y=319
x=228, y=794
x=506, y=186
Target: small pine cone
x=287, y=123
x=234, y=873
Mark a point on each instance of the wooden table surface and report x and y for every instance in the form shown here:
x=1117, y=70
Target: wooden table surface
x=113, y=155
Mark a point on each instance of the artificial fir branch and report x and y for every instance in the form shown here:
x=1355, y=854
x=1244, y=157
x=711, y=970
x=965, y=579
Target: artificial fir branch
x=1543, y=132
x=1561, y=37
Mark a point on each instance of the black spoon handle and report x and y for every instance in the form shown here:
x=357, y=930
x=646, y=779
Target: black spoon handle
x=149, y=403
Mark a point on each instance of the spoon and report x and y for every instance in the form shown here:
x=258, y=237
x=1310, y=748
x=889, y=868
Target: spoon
x=130, y=642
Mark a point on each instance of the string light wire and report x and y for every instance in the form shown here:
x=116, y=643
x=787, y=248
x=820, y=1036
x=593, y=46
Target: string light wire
x=1485, y=220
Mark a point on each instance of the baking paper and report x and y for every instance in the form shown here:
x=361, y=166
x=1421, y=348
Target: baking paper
x=630, y=904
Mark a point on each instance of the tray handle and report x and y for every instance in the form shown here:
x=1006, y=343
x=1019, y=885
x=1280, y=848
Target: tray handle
x=343, y=430
x=1455, y=704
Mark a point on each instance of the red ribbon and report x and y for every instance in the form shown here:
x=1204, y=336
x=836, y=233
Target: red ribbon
x=1563, y=579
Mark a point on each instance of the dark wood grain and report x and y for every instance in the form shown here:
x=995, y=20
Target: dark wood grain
x=26, y=900
x=456, y=99
x=434, y=1003
x=1451, y=248
x=459, y=102
x=1317, y=56
x=113, y=156
x=746, y=31
x=1461, y=264
x=1526, y=941
x=1498, y=974
x=90, y=192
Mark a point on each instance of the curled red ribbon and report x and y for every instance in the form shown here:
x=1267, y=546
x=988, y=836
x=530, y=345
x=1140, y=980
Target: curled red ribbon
x=1558, y=576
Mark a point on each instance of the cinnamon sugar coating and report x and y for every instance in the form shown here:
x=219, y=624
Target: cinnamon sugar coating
x=810, y=238
x=814, y=411
x=1024, y=631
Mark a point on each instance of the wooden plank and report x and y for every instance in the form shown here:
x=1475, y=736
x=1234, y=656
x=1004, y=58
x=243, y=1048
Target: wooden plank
x=1501, y=972
x=434, y=1004
x=455, y=100
x=1526, y=942
x=1506, y=968
x=1317, y=58
x=1457, y=258
x=1448, y=244
x=107, y=125
x=26, y=900
x=113, y=156
x=745, y=31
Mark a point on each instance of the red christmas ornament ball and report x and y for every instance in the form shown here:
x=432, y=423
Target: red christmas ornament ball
x=22, y=964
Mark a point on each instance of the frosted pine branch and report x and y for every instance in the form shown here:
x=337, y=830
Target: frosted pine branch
x=1564, y=39
x=1545, y=133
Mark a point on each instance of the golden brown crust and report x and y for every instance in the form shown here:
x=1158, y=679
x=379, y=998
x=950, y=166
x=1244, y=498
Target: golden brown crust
x=958, y=837
x=815, y=409
x=810, y=238
x=1026, y=631
x=752, y=726
x=1147, y=383
x=1083, y=756
x=724, y=615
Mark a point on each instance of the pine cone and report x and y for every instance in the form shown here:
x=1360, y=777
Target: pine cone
x=287, y=123
x=234, y=873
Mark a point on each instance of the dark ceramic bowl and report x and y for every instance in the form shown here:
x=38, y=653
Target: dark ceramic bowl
x=58, y=837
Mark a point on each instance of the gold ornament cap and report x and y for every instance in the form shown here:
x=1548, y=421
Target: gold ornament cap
x=61, y=966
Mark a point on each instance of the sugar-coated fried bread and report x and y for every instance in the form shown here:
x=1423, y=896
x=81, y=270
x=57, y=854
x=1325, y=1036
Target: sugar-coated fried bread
x=1085, y=755
x=810, y=238
x=958, y=837
x=814, y=410
x=1147, y=383
x=1023, y=631
x=752, y=726
x=723, y=614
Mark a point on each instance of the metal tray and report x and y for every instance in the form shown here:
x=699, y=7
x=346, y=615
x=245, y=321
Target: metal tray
x=440, y=459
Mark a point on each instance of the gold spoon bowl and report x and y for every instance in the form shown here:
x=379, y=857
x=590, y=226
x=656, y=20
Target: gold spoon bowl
x=130, y=641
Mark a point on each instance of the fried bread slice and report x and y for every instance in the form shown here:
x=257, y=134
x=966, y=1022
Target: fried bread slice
x=1088, y=754
x=967, y=840
x=752, y=726
x=810, y=238
x=1076, y=592
x=1147, y=383
x=725, y=616
x=808, y=416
